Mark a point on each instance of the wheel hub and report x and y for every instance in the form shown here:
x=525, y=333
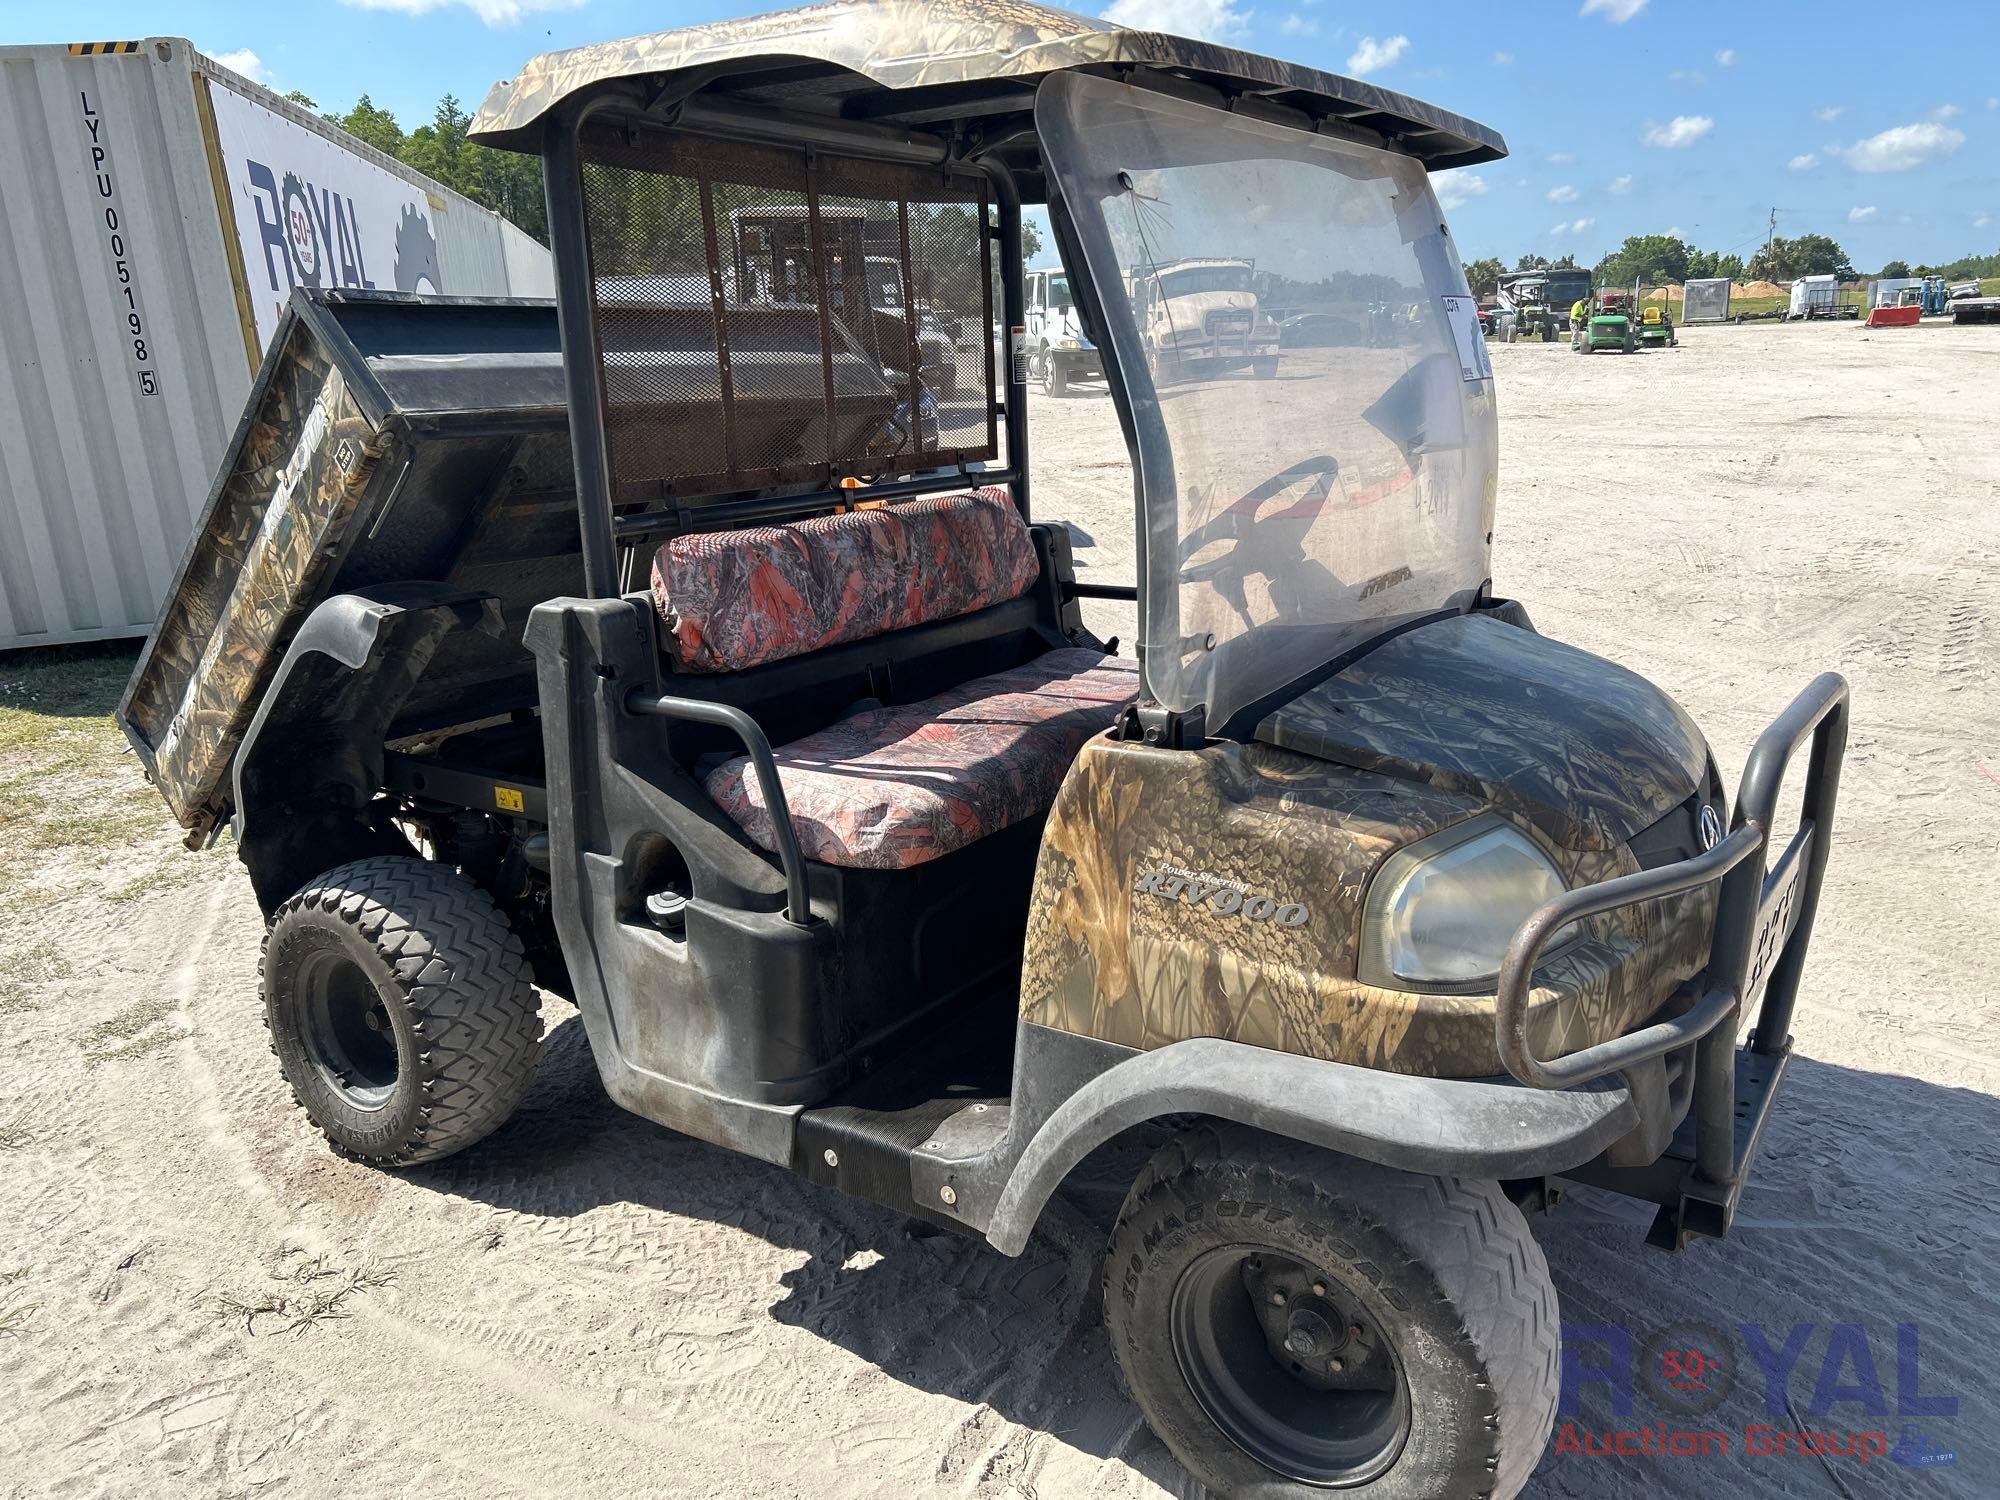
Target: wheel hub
x=347, y=1032
x=1290, y=1365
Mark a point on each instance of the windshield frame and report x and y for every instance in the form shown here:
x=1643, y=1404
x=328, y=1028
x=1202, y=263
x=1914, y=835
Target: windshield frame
x=1091, y=259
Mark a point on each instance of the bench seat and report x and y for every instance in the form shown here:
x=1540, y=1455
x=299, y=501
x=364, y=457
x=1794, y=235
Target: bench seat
x=889, y=788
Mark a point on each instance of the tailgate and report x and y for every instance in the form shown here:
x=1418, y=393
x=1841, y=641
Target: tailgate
x=291, y=483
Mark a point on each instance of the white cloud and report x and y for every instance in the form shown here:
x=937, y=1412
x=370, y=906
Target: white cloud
x=1372, y=56
x=1993, y=101
x=1572, y=228
x=1298, y=25
x=244, y=61
x=1457, y=188
x=1946, y=112
x=1726, y=58
x=1982, y=221
x=1561, y=159
x=1563, y=194
x=1681, y=130
x=1618, y=12
x=1682, y=75
x=1506, y=60
x=1622, y=185
x=492, y=12
x=1862, y=215
x=1826, y=114
x=1903, y=148
x=1208, y=20
x=1805, y=161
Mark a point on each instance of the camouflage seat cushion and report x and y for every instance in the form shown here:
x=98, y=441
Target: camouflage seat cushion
x=734, y=599
x=895, y=787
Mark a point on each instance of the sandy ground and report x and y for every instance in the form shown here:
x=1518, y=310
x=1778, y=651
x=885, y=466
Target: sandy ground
x=197, y=1299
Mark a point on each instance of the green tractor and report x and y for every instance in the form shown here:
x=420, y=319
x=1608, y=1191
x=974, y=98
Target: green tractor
x=1610, y=324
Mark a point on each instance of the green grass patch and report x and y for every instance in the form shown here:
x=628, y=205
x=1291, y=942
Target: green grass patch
x=25, y=971
x=168, y=877
x=67, y=783
x=135, y=1031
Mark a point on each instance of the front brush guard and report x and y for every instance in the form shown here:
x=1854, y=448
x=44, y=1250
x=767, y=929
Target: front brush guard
x=1763, y=923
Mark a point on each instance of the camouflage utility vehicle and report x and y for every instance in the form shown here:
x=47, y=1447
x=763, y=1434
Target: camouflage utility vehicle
x=649, y=649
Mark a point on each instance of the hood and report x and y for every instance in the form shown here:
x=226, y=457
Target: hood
x=1201, y=304
x=1583, y=749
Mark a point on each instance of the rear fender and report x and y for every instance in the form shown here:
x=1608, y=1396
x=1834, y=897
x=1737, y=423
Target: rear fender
x=311, y=759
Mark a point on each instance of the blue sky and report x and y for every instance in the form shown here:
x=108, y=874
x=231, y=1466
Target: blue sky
x=1879, y=128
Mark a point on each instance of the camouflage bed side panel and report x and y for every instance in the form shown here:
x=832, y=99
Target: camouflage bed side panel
x=253, y=573
x=1586, y=750
x=1217, y=893
x=902, y=44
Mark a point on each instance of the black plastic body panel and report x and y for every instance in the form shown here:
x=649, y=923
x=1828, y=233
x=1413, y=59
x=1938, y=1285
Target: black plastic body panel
x=727, y=1027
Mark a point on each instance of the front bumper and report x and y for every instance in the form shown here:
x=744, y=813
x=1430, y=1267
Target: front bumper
x=1763, y=924
x=1082, y=363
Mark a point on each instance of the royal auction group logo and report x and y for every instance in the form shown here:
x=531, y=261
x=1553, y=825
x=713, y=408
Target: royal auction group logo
x=1828, y=1392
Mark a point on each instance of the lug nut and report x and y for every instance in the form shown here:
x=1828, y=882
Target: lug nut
x=1319, y=1288
x=1277, y=1299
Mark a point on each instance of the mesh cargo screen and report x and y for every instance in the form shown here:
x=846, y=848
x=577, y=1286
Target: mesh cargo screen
x=763, y=319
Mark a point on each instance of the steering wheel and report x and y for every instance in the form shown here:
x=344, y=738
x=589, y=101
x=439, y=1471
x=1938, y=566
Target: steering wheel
x=1267, y=541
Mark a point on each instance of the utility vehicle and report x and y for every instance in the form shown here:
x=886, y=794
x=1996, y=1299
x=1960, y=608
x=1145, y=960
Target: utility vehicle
x=1541, y=300
x=602, y=647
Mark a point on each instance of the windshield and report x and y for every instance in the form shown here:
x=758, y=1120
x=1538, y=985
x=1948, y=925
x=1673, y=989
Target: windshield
x=1568, y=288
x=1059, y=298
x=1205, y=279
x=1295, y=500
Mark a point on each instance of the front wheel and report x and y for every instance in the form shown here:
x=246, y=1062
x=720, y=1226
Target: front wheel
x=400, y=1010
x=1055, y=376
x=1292, y=1321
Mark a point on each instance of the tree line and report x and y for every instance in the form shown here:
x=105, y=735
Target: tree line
x=505, y=181
x=1666, y=260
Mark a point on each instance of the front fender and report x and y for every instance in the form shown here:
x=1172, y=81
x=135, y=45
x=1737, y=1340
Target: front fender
x=1443, y=1127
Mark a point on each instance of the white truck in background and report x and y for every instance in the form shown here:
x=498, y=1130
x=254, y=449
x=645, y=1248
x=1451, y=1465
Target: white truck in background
x=1202, y=315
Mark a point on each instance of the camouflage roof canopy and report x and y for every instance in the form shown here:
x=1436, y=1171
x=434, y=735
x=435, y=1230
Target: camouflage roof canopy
x=942, y=66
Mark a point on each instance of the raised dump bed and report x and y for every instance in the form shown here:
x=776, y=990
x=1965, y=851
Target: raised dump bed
x=387, y=439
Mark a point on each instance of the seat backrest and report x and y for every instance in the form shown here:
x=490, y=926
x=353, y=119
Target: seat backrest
x=735, y=599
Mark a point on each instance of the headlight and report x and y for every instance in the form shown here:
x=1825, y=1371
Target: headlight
x=1441, y=912
x=1066, y=343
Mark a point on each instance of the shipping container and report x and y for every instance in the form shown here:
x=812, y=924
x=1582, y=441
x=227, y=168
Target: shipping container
x=158, y=211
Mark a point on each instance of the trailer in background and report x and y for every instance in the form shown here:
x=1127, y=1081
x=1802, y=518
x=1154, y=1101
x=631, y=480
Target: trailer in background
x=158, y=210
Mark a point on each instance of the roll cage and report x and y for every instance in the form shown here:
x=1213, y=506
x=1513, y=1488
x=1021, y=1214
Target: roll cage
x=884, y=101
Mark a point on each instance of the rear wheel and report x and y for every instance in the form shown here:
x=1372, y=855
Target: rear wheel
x=399, y=1007
x=1292, y=1321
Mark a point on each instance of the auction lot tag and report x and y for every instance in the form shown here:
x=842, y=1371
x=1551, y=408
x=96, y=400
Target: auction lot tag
x=1462, y=314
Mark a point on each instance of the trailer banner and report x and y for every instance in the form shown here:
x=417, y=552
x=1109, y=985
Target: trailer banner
x=309, y=212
